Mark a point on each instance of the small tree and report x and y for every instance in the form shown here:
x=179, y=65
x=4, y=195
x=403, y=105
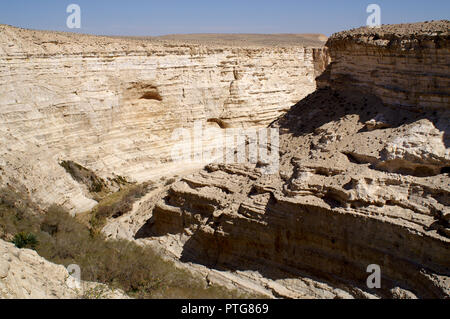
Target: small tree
x=25, y=240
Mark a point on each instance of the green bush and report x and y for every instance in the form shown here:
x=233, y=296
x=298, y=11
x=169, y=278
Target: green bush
x=25, y=240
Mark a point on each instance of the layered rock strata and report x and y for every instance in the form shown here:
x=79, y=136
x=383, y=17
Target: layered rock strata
x=111, y=105
x=363, y=181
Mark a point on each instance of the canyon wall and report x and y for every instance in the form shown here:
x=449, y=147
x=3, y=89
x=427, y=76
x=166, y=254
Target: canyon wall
x=111, y=105
x=405, y=65
x=363, y=180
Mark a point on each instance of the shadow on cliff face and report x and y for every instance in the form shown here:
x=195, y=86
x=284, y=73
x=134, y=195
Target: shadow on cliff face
x=230, y=253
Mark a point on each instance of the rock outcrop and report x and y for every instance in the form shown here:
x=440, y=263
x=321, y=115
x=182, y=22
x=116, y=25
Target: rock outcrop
x=404, y=65
x=363, y=180
x=111, y=105
x=26, y=275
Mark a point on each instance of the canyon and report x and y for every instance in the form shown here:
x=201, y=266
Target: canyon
x=364, y=124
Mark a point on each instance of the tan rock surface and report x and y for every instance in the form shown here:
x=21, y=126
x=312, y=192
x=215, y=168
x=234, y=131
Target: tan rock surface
x=364, y=160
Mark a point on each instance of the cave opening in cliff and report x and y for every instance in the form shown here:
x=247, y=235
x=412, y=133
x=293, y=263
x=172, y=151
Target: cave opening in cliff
x=151, y=95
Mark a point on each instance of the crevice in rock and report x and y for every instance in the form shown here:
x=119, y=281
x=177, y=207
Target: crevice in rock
x=333, y=200
x=142, y=91
x=403, y=167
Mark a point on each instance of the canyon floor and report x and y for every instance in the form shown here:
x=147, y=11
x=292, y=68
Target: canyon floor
x=364, y=155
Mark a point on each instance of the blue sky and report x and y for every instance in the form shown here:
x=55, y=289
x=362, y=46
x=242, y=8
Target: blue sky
x=148, y=17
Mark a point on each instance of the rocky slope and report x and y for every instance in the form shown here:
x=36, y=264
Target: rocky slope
x=111, y=105
x=363, y=179
x=25, y=275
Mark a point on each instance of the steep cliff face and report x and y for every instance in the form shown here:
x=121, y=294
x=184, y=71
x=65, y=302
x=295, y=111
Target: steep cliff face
x=363, y=180
x=404, y=65
x=111, y=105
x=26, y=275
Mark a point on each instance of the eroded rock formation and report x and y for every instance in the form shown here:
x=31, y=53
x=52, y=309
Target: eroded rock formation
x=363, y=180
x=111, y=105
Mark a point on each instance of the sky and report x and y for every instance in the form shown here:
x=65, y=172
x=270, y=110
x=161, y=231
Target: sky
x=150, y=18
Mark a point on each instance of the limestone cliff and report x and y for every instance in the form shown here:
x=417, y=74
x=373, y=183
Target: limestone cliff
x=111, y=105
x=363, y=180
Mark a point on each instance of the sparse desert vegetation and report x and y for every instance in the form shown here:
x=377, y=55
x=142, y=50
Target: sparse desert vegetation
x=62, y=239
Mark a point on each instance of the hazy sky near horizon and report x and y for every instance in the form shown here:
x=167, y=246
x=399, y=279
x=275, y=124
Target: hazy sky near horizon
x=148, y=17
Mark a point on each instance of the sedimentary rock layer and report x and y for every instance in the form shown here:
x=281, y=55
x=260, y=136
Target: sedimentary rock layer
x=111, y=105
